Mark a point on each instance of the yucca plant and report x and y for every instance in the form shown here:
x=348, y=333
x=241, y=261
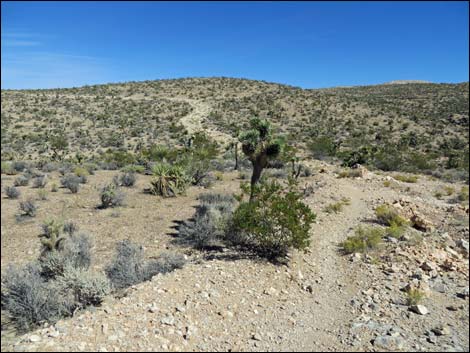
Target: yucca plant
x=168, y=180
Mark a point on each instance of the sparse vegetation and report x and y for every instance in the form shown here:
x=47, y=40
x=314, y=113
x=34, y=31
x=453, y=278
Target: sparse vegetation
x=337, y=207
x=363, y=240
x=414, y=297
x=12, y=192
x=388, y=215
x=406, y=178
x=129, y=266
x=28, y=207
x=111, y=196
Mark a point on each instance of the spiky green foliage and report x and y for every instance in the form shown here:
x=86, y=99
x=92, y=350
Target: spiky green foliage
x=51, y=237
x=168, y=180
x=259, y=146
x=111, y=196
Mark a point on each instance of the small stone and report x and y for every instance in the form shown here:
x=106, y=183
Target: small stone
x=34, y=338
x=419, y=309
x=428, y=266
x=389, y=342
x=463, y=294
x=441, y=330
x=256, y=337
x=169, y=320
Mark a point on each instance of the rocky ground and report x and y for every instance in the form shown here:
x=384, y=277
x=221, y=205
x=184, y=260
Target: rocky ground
x=223, y=301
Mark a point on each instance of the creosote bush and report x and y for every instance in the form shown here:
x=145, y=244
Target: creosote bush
x=273, y=221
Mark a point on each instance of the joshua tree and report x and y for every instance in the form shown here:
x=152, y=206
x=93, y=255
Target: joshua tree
x=234, y=145
x=259, y=146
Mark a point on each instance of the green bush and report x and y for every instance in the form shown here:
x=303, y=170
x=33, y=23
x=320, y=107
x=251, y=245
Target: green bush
x=388, y=215
x=406, y=178
x=364, y=239
x=275, y=220
x=323, y=146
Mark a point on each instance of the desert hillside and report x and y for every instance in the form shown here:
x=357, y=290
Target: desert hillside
x=145, y=184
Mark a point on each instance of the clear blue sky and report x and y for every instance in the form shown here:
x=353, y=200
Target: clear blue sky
x=306, y=44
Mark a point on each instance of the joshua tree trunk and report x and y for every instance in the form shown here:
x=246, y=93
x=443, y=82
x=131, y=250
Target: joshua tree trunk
x=258, y=165
x=236, y=155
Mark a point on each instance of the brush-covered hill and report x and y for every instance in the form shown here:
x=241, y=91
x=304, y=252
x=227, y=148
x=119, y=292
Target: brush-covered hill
x=417, y=127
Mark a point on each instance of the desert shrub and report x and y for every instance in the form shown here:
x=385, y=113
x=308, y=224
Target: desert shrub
x=406, y=178
x=74, y=252
x=364, y=239
x=21, y=180
x=160, y=153
x=277, y=173
x=395, y=230
x=322, y=147
x=388, y=215
x=28, y=207
x=449, y=190
x=111, y=196
x=70, y=228
x=7, y=168
x=305, y=171
x=463, y=194
x=209, y=223
x=133, y=168
x=337, y=207
x=29, y=299
x=40, y=181
x=19, y=166
x=414, y=296
x=12, y=192
x=350, y=173
x=164, y=263
x=86, y=287
x=129, y=267
x=361, y=155
x=54, y=187
x=71, y=182
x=273, y=221
x=119, y=158
x=168, y=181
x=82, y=174
x=42, y=194
x=50, y=167
x=126, y=179
x=91, y=168
x=65, y=168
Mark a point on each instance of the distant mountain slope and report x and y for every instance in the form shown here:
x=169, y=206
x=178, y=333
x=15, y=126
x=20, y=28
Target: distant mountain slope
x=425, y=120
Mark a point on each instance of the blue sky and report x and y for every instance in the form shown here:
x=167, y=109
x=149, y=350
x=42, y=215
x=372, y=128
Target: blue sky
x=306, y=44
